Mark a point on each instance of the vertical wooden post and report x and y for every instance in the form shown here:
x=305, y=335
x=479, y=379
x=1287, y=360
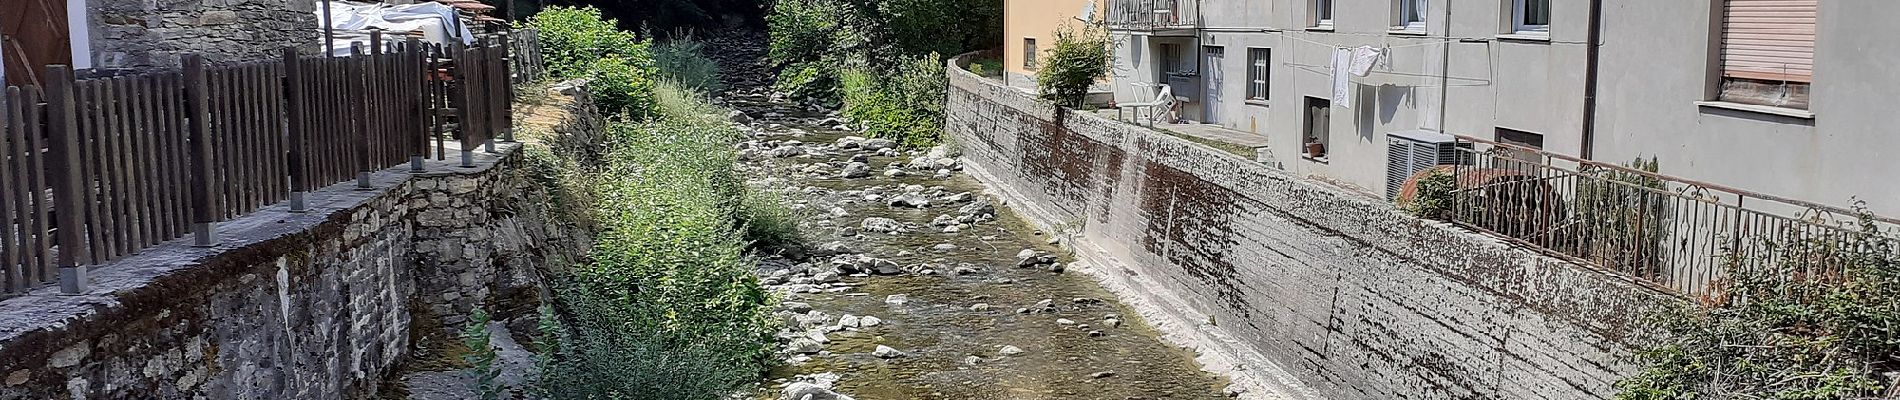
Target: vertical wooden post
x=507, y=117
x=415, y=65
x=198, y=133
x=296, y=130
x=465, y=122
x=359, y=78
x=63, y=167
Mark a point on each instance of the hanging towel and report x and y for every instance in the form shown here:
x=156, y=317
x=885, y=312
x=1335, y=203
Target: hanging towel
x=1363, y=58
x=1342, y=88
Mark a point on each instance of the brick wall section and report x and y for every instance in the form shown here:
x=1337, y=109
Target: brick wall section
x=1353, y=298
x=316, y=305
x=156, y=33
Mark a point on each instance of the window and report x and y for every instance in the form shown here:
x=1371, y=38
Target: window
x=1409, y=15
x=1257, y=73
x=1767, y=53
x=1321, y=14
x=1530, y=16
x=1029, y=53
x=1319, y=120
x=1521, y=138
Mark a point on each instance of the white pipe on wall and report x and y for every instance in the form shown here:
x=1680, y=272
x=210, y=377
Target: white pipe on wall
x=81, y=31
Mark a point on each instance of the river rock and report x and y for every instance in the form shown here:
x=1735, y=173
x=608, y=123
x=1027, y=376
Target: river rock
x=980, y=307
x=882, y=225
x=886, y=352
x=869, y=321
x=810, y=391
x=804, y=345
x=911, y=200
x=788, y=151
x=848, y=321
x=1008, y=350
x=877, y=144
x=855, y=170
x=739, y=117
x=896, y=299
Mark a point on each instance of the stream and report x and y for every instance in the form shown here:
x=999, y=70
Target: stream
x=915, y=284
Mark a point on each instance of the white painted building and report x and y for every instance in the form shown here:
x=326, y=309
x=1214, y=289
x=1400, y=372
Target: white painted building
x=1785, y=97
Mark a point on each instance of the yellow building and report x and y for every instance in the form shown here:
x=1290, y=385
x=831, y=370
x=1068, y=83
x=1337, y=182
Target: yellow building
x=1029, y=28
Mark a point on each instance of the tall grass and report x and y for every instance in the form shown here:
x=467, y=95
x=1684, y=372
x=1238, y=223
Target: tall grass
x=683, y=61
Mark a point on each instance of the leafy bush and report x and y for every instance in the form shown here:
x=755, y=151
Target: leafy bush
x=1079, y=59
x=1434, y=197
x=481, y=356
x=768, y=222
x=622, y=86
x=1811, y=318
x=572, y=38
x=988, y=67
x=1625, y=218
x=682, y=60
x=906, y=106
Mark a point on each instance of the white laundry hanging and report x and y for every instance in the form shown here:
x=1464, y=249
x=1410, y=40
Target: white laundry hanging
x=1363, y=58
x=1342, y=87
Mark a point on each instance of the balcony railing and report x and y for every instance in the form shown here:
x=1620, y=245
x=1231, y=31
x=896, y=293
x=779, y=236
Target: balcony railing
x=1676, y=234
x=1150, y=15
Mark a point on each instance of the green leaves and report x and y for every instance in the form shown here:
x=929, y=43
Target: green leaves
x=579, y=43
x=905, y=105
x=1079, y=59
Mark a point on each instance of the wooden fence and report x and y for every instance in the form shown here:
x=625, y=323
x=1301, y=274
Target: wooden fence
x=94, y=170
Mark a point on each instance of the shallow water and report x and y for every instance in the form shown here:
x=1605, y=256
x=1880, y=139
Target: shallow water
x=936, y=328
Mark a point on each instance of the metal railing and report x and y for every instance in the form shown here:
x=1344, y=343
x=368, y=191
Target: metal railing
x=1676, y=234
x=1149, y=15
x=94, y=170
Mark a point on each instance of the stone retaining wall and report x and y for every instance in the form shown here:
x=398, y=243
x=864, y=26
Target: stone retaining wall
x=1295, y=286
x=309, y=305
x=144, y=34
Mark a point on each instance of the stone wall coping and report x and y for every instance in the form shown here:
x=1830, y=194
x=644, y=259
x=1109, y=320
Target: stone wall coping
x=36, y=323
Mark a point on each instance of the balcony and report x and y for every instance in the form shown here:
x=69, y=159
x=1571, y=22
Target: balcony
x=1154, y=15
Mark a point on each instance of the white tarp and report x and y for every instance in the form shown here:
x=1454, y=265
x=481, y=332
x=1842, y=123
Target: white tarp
x=435, y=20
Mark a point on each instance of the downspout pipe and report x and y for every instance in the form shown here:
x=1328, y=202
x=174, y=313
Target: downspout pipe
x=1590, y=77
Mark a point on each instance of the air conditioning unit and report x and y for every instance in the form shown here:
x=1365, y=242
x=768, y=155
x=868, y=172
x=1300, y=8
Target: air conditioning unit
x=1408, y=152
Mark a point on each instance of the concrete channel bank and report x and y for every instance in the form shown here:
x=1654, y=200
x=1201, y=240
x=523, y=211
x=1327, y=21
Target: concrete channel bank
x=323, y=304
x=1289, y=285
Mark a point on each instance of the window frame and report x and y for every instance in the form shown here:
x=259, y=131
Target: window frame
x=1785, y=98
x=1319, y=14
x=1259, y=74
x=1520, y=14
x=1029, y=53
x=1308, y=135
x=1403, y=12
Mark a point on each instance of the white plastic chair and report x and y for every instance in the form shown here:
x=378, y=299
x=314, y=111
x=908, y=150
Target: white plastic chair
x=1164, y=98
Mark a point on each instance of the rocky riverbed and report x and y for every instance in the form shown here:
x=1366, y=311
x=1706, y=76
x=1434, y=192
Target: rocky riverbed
x=916, y=284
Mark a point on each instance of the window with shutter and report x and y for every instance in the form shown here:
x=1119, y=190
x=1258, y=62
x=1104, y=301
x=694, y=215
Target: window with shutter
x=1767, y=52
x=1257, y=61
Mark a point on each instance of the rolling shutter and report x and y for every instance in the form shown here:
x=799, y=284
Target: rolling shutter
x=1769, y=39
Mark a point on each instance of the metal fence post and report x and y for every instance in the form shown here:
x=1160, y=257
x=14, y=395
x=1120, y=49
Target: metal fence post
x=63, y=170
x=198, y=111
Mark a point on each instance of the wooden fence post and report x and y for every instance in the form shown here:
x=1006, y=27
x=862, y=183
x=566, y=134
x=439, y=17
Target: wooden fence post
x=295, y=130
x=465, y=109
x=508, y=88
x=198, y=112
x=359, y=77
x=63, y=170
x=415, y=64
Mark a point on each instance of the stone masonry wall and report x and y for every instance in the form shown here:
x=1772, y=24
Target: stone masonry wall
x=315, y=305
x=156, y=33
x=1350, y=297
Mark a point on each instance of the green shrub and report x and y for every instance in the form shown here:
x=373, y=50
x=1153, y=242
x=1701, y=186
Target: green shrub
x=1434, y=196
x=906, y=105
x=988, y=67
x=1625, y=218
x=815, y=42
x=1810, y=318
x=572, y=38
x=1079, y=58
x=682, y=60
x=622, y=86
x=768, y=222
x=481, y=355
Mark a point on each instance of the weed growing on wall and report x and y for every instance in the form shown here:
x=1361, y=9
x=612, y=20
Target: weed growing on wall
x=1818, y=319
x=1079, y=58
x=1435, y=196
x=481, y=356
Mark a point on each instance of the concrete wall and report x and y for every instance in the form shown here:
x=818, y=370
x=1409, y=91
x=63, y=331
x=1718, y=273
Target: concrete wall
x=1497, y=80
x=1353, y=299
x=316, y=305
x=1656, y=59
x=155, y=34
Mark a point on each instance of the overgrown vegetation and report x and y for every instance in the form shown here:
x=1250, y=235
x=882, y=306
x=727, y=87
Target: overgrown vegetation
x=666, y=306
x=579, y=43
x=871, y=56
x=481, y=355
x=1079, y=59
x=1626, y=216
x=905, y=105
x=1811, y=318
x=682, y=60
x=1434, y=196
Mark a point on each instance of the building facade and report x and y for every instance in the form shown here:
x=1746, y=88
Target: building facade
x=108, y=36
x=1782, y=97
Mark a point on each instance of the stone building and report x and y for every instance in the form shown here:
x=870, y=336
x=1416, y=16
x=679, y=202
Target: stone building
x=113, y=36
